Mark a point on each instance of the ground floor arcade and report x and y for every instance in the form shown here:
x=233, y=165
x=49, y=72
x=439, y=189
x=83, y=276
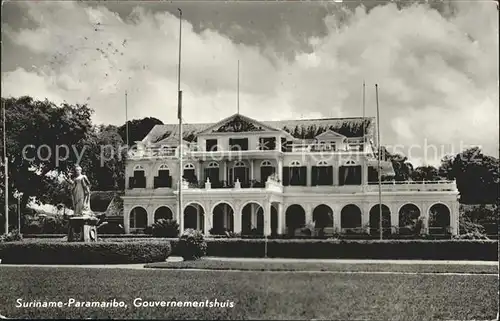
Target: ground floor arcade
x=270, y=216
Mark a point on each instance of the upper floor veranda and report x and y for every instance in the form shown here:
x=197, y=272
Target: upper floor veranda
x=331, y=155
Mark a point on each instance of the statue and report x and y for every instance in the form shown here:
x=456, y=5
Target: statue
x=80, y=192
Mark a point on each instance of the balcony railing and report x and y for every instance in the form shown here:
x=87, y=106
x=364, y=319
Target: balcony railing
x=416, y=186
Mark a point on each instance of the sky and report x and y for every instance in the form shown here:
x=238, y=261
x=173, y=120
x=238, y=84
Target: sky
x=435, y=63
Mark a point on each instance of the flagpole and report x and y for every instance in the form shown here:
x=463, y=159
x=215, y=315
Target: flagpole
x=379, y=156
x=126, y=118
x=179, y=115
x=364, y=113
x=238, y=89
x=6, y=168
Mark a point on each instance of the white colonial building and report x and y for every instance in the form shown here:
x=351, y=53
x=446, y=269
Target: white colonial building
x=275, y=177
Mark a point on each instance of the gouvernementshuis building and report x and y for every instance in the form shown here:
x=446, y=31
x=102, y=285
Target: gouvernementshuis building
x=277, y=177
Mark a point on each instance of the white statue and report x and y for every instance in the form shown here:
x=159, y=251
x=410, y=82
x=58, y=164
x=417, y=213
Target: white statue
x=80, y=192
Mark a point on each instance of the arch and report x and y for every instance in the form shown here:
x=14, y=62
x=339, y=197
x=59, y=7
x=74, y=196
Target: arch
x=295, y=163
x=350, y=162
x=163, y=167
x=322, y=163
x=196, y=203
x=194, y=216
x=222, y=218
x=323, y=216
x=408, y=217
x=375, y=219
x=350, y=217
x=213, y=165
x=239, y=164
x=295, y=217
x=252, y=219
x=163, y=212
x=189, y=166
x=138, y=217
x=439, y=218
x=138, y=168
x=265, y=163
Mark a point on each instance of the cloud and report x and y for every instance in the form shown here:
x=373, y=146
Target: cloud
x=437, y=74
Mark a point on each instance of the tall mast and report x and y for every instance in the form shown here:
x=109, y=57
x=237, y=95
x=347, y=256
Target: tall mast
x=179, y=114
x=6, y=168
x=238, y=89
x=379, y=156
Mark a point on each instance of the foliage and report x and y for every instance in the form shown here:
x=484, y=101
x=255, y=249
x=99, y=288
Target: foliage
x=84, y=253
x=111, y=228
x=425, y=173
x=165, y=228
x=11, y=236
x=191, y=245
x=137, y=129
x=356, y=249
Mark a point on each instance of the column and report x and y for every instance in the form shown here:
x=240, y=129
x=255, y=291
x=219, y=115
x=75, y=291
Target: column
x=278, y=143
x=201, y=180
x=267, y=218
x=180, y=217
x=280, y=169
x=364, y=173
x=224, y=171
x=126, y=219
x=335, y=175
x=281, y=219
x=455, y=218
x=251, y=169
x=365, y=216
x=309, y=174
x=394, y=218
x=237, y=219
x=309, y=215
x=253, y=216
x=207, y=223
x=336, y=218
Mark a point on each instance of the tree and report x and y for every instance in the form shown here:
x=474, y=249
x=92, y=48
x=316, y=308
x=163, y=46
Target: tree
x=425, y=173
x=138, y=129
x=402, y=167
x=43, y=140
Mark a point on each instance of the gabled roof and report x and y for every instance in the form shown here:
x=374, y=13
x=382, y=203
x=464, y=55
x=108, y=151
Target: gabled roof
x=329, y=134
x=298, y=128
x=237, y=123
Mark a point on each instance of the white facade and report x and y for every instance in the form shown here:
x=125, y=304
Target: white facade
x=264, y=179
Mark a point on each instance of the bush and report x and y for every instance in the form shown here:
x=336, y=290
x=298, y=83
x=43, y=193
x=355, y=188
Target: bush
x=356, y=249
x=191, y=245
x=11, y=236
x=111, y=228
x=84, y=253
x=165, y=228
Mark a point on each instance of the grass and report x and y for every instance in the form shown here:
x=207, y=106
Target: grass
x=256, y=295
x=214, y=264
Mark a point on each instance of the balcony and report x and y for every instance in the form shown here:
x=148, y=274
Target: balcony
x=311, y=146
x=412, y=186
x=272, y=185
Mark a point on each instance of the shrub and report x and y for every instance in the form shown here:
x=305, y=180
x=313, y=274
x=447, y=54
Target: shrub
x=165, y=228
x=11, y=236
x=56, y=224
x=356, y=249
x=84, y=253
x=191, y=245
x=111, y=228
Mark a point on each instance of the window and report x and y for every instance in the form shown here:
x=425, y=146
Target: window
x=239, y=171
x=189, y=173
x=267, y=143
x=138, y=180
x=350, y=173
x=211, y=145
x=295, y=174
x=266, y=170
x=163, y=179
x=236, y=144
x=322, y=174
x=212, y=173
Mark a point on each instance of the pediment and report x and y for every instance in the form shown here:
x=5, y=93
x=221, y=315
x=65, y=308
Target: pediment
x=238, y=124
x=330, y=135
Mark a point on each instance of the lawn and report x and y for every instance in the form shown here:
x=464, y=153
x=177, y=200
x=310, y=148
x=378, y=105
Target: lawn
x=247, y=265
x=257, y=295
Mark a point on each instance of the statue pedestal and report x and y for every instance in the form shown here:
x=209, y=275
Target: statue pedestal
x=82, y=229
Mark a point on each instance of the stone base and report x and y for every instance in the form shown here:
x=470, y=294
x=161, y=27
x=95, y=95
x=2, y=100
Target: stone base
x=82, y=229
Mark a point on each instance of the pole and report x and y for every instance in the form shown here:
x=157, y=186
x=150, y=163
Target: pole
x=379, y=156
x=364, y=113
x=126, y=117
x=238, y=89
x=19, y=214
x=6, y=168
x=179, y=114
